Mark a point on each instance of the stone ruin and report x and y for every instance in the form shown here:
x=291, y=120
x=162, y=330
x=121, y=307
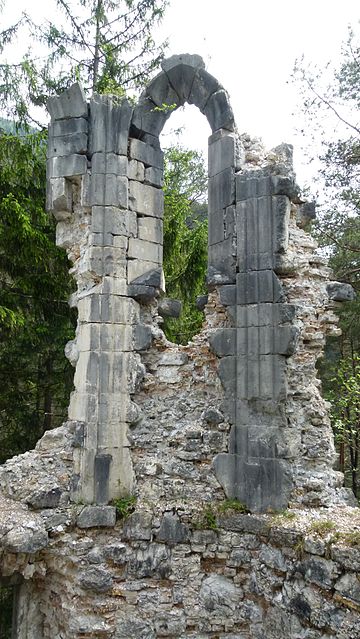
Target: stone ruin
x=202, y=447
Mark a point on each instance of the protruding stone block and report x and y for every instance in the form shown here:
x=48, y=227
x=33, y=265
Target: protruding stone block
x=223, y=342
x=340, y=292
x=67, y=166
x=169, y=308
x=109, y=125
x=202, y=88
x=146, y=153
x=152, y=277
x=150, y=229
x=144, y=250
x=219, y=112
x=59, y=198
x=70, y=104
x=97, y=517
x=149, y=118
x=67, y=144
x=146, y=199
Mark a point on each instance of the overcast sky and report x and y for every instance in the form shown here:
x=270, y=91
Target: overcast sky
x=250, y=46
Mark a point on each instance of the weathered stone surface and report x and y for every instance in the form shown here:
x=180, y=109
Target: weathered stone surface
x=340, y=291
x=67, y=144
x=70, y=104
x=96, y=579
x=97, y=517
x=146, y=153
x=142, y=293
x=201, y=302
x=67, y=166
x=146, y=199
x=172, y=531
x=109, y=125
x=349, y=586
x=219, y=112
x=169, y=308
x=150, y=278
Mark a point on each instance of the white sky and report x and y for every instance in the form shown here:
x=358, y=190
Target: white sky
x=250, y=46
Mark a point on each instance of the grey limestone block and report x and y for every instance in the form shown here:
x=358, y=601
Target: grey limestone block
x=137, y=268
x=219, y=112
x=261, y=377
x=152, y=278
x=142, y=337
x=306, y=213
x=45, y=498
x=285, y=185
x=264, y=314
x=154, y=176
x=109, y=125
x=108, y=308
x=108, y=260
x=201, y=302
x=216, y=230
x=59, y=128
x=150, y=229
x=144, y=250
x=59, y=197
x=266, y=340
x=281, y=212
x=148, y=118
x=221, y=154
x=172, y=531
x=227, y=294
x=146, y=153
x=137, y=526
x=260, y=486
x=142, y=293
x=136, y=170
x=109, y=163
x=146, y=200
x=97, y=517
x=340, y=292
x=169, y=307
x=267, y=413
x=349, y=586
x=221, y=190
x=203, y=86
x=70, y=104
x=258, y=286
x=180, y=71
x=96, y=579
x=102, y=474
x=227, y=369
x=66, y=166
x=222, y=262
x=223, y=342
x=250, y=185
x=111, y=221
x=109, y=190
x=67, y=144
x=162, y=93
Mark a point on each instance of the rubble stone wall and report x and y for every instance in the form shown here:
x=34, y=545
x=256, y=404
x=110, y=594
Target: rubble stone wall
x=131, y=520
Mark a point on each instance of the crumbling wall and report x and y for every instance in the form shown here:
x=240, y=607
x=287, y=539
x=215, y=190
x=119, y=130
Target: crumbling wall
x=188, y=437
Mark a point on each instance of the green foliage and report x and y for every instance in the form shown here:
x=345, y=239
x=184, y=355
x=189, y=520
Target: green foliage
x=185, y=238
x=35, y=320
x=322, y=527
x=105, y=44
x=6, y=610
x=124, y=506
x=233, y=505
x=206, y=520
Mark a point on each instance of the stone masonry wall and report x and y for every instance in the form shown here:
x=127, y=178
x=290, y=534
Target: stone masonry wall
x=132, y=520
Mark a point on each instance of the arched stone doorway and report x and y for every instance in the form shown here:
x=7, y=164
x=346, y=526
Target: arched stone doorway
x=104, y=181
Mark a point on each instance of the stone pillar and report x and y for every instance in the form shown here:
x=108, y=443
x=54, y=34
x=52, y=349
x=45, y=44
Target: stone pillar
x=254, y=350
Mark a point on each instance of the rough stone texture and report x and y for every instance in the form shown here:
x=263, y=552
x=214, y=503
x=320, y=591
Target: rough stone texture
x=168, y=434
